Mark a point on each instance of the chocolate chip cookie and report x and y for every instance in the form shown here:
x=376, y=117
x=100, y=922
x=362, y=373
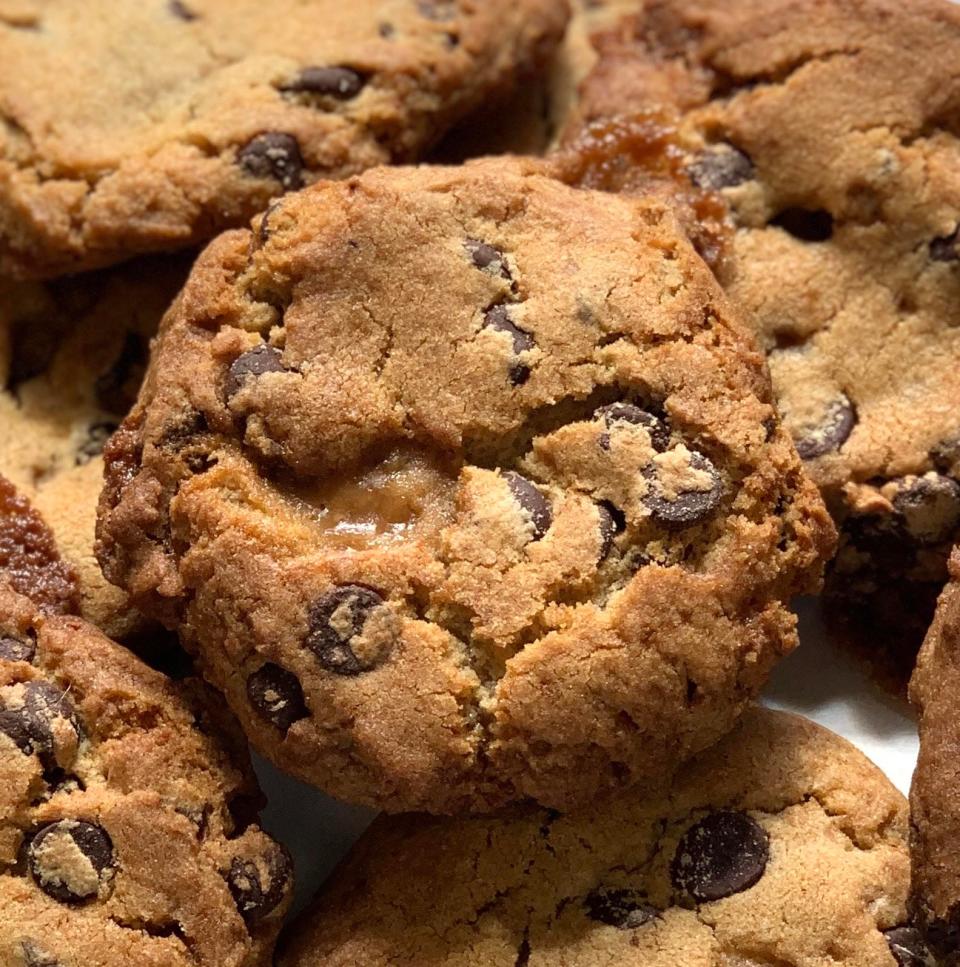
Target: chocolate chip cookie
x=934, y=807
x=151, y=126
x=72, y=355
x=781, y=845
x=827, y=128
x=127, y=811
x=465, y=486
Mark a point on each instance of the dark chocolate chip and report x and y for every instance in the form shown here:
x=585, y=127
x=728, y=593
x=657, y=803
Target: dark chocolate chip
x=635, y=416
x=688, y=507
x=17, y=648
x=254, y=362
x=498, y=318
x=341, y=83
x=929, y=507
x=611, y=522
x=343, y=619
x=907, y=946
x=838, y=423
x=624, y=909
x=259, y=886
x=35, y=956
x=945, y=249
x=723, y=854
x=276, y=155
x=532, y=501
x=34, y=724
x=486, y=256
x=276, y=694
x=97, y=436
x=387, y=31
x=73, y=881
x=117, y=388
x=946, y=455
x=720, y=166
x=808, y=225
x=178, y=9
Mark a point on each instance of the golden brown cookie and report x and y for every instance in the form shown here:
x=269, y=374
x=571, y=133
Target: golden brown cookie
x=127, y=811
x=130, y=128
x=465, y=487
x=781, y=845
x=75, y=353
x=827, y=126
x=934, y=802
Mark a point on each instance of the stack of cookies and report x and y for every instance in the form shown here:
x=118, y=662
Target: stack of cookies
x=447, y=399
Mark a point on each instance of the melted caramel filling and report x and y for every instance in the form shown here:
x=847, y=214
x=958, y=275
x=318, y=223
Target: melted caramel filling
x=407, y=494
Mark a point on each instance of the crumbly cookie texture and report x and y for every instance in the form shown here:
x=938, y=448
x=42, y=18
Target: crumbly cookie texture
x=827, y=128
x=151, y=126
x=934, y=803
x=72, y=355
x=465, y=486
x=780, y=845
x=126, y=808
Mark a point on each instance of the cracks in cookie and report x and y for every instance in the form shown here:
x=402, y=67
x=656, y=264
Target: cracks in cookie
x=160, y=930
x=727, y=85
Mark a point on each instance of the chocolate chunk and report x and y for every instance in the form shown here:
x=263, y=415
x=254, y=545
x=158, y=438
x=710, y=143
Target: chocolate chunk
x=723, y=854
x=532, y=501
x=485, y=256
x=720, y=166
x=808, y=225
x=612, y=522
x=276, y=694
x=35, y=956
x=498, y=318
x=837, y=425
x=39, y=720
x=69, y=859
x=117, y=388
x=276, y=155
x=254, y=362
x=97, y=436
x=179, y=10
x=258, y=886
x=341, y=83
x=907, y=946
x=624, y=909
x=635, y=416
x=929, y=507
x=687, y=507
x=17, y=647
x=945, y=249
x=350, y=630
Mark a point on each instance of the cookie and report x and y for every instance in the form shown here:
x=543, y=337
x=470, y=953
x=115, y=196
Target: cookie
x=127, y=811
x=781, y=845
x=826, y=127
x=153, y=126
x=934, y=809
x=72, y=354
x=465, y=486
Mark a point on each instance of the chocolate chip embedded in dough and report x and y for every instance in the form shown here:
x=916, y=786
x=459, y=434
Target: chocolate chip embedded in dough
x=341, y=83
x=624, y=909
x=831, y=433
x=498, y=318
x=928, y=507
x=254, y=362
x=486, y=256
x=259, y=885
x=17, y=647
x=945, y=249
x=724, y=853
x=41, y=721
x=686, y=507
x=277, y=695
x=275, y=155
x=351, y=630
x=35, y=956
x=532, y=501
x=720, y=166
x=907, y=946
x=71, y=859
x=611, y=521
x=631, y=414
x=181, y=11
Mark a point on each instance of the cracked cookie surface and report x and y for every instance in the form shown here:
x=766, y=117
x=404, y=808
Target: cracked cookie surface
x=151, y=126
x=934, y=809
x=72, y=355
x=828, y=129
x=465, y=487
x=780, y=845
x=127, y=810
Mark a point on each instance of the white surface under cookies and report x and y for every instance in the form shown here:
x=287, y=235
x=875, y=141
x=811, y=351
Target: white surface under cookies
x=818, y=681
